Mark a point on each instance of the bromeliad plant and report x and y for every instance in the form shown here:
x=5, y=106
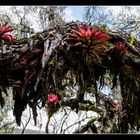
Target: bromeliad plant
x=87, y=38
x=86, y=47
x=4, y=37
x=52, y=104
x=120, y=48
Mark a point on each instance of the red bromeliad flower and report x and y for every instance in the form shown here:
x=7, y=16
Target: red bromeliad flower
x=117, y=106
x=120, y=48
x=52, y=104
x=6, y=37
x=86, y=37
x=52, y=98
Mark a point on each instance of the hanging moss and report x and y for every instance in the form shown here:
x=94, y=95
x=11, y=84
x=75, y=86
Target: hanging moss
x=74, y=55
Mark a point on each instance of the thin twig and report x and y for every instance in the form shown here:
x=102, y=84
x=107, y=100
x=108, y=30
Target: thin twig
x=75, y=123
x=64, y=122
x=23, y=130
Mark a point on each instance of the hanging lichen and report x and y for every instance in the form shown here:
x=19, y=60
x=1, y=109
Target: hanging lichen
x=74, y=55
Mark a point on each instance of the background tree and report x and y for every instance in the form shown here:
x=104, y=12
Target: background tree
x=42, y=16
x=97, y=15
x=48, y=16
x=126, y=18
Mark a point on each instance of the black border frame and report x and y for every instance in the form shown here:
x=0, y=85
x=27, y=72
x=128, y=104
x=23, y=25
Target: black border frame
x=70, y=3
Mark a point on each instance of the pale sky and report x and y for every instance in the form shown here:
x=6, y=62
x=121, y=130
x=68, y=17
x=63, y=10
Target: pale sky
x=72, y=13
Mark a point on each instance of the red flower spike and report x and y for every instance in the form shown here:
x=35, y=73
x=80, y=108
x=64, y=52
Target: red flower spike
x=84, y=26
x=52, y=98
x=81, y=32
x=117, y=106
x=103, y=37
x=120, y=47
x=88, y=33
x=93, y=32
x=4, y=29
x=98, y=33
x=6, y=37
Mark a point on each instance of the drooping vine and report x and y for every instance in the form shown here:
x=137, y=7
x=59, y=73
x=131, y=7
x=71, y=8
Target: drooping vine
x=40, y=69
